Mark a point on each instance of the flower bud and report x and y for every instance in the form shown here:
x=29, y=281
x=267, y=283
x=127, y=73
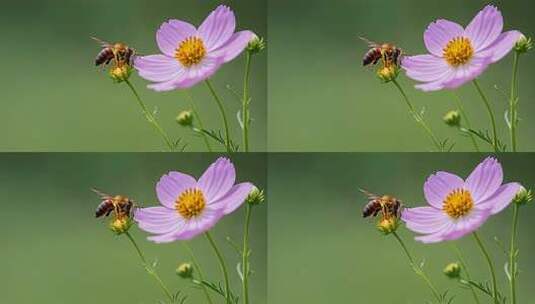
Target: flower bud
x=120, y=225
x=388, y=225
x=185, y=118
x=388, y=73
x=120, y=73
x=255, y=197
x=185, y=271
x=452, y=118
x=256, y=45
x=523, y=45
x=523, y=197
x=452, y=270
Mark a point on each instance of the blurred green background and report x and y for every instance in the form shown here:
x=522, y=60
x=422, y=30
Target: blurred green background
x=55, y=99
x=55, y=251
x=322, y=99
x=322, y=251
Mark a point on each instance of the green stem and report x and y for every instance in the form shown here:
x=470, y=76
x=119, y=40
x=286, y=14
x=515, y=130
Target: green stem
x=465, y=268
x=198, y=118
x=491, y=267
x=223, y=114
x=151, y=271
x=491, y=115
x=245, y=256
x=150, y=117
x=513, y=254
x=199, y=271
x=417, y=268
x=513, y=102
x=468, y=124
x=222, y=265
x=245, y=104
x=419, y=119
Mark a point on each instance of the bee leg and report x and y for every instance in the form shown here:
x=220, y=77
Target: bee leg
x=116, y=208
x=130, y=56
x=383, y=209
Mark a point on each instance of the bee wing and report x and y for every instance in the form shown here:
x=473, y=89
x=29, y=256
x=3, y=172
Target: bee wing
x=101, y=194
x=101, y=42
x=368, y=42
x=370, y=195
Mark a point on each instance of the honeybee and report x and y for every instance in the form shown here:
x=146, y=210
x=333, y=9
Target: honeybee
x=387, y=205
x=387, y=52
x=120, y=52
x=122, y=206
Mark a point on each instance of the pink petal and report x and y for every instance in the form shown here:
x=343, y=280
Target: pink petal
x=485, y=27
x=420, y=214
x=467, y=224
x=502, y=46
x=165, y=86
x=166, y=237
x=439, y=185
x=485, y=179
x=191, y=76
x=152, y=213
x=425, y=219
x=425, y=68
x=158, y=68
x=158, y=220
x=196, y=226
x=218, y=27
x=501, y=198
x=218, y=179
x=234, y=46
x=438, y=84
x=161, y=228
x=467, y=72
x=234, y=198
x=171, y=186
x=436, y=237
x=200, y=72
x=439, y=33
x=171, y=33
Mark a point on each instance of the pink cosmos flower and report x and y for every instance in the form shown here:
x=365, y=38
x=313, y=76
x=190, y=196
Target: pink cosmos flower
x=458, y=207
x=190, y=207
x=191, y=55
x=460, y=55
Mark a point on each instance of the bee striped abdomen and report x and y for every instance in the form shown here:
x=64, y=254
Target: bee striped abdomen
x=372, y=56
x=104, y=56
x=105, y=208
x=371, y=209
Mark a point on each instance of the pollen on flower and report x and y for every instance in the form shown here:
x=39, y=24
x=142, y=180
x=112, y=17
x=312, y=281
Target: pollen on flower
x=388, y=225
x=120, y=72
x=190, y=203
x=458, y=203
x=458, y=51
x=388, y=72
x=120, y=224
x=190, y=51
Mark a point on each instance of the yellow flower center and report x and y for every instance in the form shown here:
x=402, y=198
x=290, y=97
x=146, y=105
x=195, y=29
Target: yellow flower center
x=190, y=203
x=458, y=51
x=190, y=51
x=458, y=203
